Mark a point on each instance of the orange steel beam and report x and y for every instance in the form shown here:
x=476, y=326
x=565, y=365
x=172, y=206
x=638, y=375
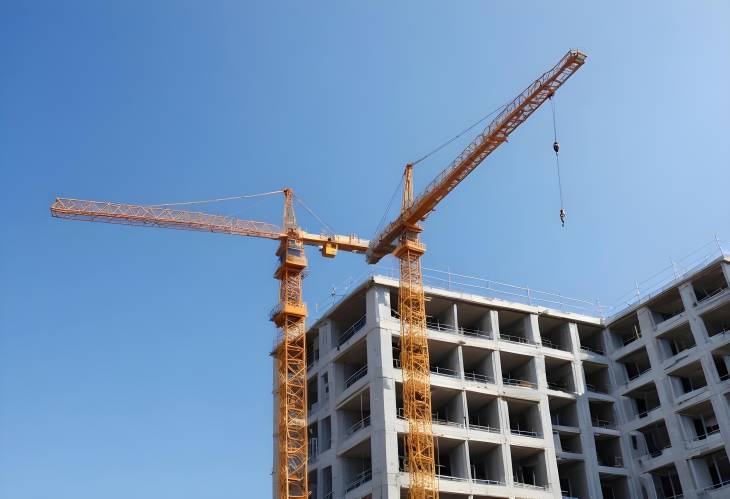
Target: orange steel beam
x=289, y=315
x=513, y=115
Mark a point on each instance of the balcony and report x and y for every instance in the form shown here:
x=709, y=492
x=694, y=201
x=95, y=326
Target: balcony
x=524, y=418
x=352, y=330
x=355, y=376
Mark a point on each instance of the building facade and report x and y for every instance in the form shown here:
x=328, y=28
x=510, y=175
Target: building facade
x=529, y=402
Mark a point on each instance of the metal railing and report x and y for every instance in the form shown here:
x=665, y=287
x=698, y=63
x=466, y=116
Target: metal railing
x=435, y=325
x=524, y=485
x=656, y=283
x=554, y=346
x=478, y=377
x=515, y=339
x=363, y=371
x=587, y=348
x=638, y=375
x=360, y=479
x=358, y=425
x=444, y=371
x=487, y=481
x=350, y=331
x=718, y=485
x=519, y=382
x=559, y=386
x=490, y=429
x=525, y=433
x=466, y=331
x=603, y=423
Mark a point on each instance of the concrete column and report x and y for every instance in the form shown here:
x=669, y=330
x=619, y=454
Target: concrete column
x=696, y=325
x=491, y=320
x=377, y=305
x=384, y=437
x=551, y=464
x=506, y=451
x=587, y=443
x=532, y=328
x=666, y=396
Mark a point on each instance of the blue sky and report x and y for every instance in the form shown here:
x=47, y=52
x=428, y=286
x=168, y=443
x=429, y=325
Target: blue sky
x=134, y=362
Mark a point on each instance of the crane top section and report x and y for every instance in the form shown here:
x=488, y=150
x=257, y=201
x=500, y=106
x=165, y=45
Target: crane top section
x=165, y=217
x=512, y=116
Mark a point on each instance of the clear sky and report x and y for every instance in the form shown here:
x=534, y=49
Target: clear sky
x=134, y=362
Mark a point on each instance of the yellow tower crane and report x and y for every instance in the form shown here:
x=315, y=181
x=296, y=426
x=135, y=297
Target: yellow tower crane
x=402, y=239
x=289, y=314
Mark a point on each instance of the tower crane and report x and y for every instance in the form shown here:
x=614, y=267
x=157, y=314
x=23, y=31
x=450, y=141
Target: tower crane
x=401, y=238
x=289, y=314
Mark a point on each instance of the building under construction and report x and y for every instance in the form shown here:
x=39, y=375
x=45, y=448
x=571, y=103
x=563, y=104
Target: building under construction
x=528, y=401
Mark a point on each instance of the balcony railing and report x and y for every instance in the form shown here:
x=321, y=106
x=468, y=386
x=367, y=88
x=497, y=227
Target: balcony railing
x=490, y=429
x=638, y=375
x=519, y=382
x=360, y=479
x=350, y=331
x=526, y=433
x=555, y=346
x=358, y=425
x=524, y=485
x=603, y=423
x=718, y=485
x=515, y=339
x=588, y=348
x=559, y=386
x=363, y=371
x=478, y=377
x=435, y=325
x=466, y=331
x=444, y=371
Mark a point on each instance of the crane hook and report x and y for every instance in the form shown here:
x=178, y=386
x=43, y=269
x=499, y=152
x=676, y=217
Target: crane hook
x=562, y=216
x=556, y=147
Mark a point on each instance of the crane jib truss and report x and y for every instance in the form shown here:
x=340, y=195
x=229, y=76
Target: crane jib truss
x=512, y=116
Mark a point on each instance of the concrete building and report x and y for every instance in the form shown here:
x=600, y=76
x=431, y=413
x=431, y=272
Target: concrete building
x=529, y=401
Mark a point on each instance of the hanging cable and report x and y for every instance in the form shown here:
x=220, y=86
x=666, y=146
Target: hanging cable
x=231, y=198
x=556, y=148
x=311, y=212
x=387, y=208
x=458, y=135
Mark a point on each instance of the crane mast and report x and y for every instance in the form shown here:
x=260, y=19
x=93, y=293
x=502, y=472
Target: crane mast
x=289, y=315
x=405, y=229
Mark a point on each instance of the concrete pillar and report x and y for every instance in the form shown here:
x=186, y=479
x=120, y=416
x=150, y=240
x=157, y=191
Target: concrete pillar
x=551, y=465
x=587, y=443
x=384, y=437
x=492, y=321
x=666, y=397
x=532, y=329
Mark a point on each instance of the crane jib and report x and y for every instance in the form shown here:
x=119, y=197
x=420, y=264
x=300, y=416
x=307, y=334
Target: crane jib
x=497, y=132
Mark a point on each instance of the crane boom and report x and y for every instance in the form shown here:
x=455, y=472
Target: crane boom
x=512, y=116
x=161, y=216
